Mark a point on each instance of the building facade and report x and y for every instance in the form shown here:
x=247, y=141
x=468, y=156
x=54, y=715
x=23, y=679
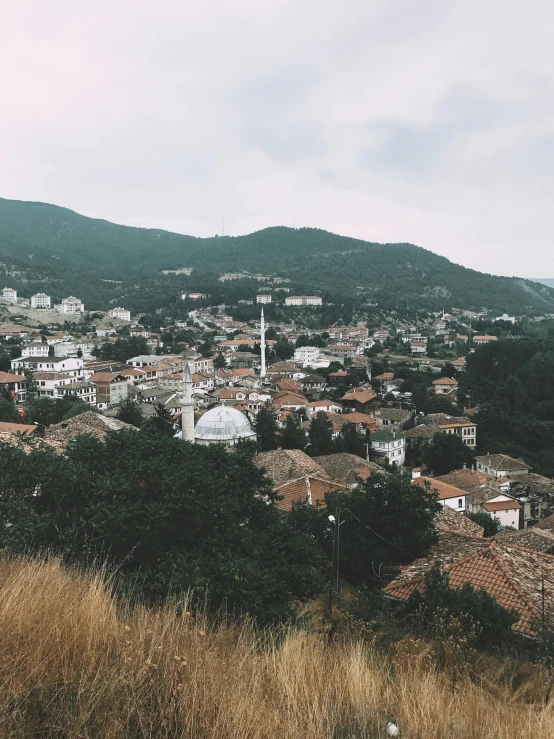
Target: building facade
x=303, y=300
x=41, y=301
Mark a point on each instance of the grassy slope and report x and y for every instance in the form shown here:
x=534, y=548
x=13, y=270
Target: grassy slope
x=75, y=664
x=72, y=253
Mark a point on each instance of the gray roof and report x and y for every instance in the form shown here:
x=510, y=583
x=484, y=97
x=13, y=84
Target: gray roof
x=502, y=462
x=393, y=414
x=423, y=431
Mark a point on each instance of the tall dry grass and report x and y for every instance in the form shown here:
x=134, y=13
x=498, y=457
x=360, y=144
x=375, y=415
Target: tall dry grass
x=75, y=664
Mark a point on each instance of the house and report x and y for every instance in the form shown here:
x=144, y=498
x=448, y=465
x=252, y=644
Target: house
x=361, y=399
x=420, y=435
x=448, y=494
x=9, y=295
x=70, y=305
x=281, y=465
x=287, y=384
x=312, y=383
x=505, y=508
x=327, y=406
x=303, y=300
x=342, y=351
x=111, y=388
x=293, y=401
x=348, y=468
x=263, y=298
x=84, y=390
x=307, y=489
x=121, y=313
x=361, y=421
x=480, y=340
x=41, y=301
x=418, y=345
x=48, y=383
x=387, y=383
x=445, y=386
x=505, y=317
x=70, y=365
x=15, y=385
x=243, y=360
x=460, y=426
x=35, y=349
x=517, y=578
x=306, y=354
x=104, y=331
x=500, y=465
x=392, y=418
x=389, y=445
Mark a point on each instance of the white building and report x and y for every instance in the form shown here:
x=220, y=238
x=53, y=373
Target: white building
x=35, y=350
x=121, y=313
x=41, y=301
x=391, y=445
x=70, y=365
x=500, y=465
x=263, y=298
x=303, y=300
x=306, y=354
x=70, y=305
x=9, y=295
x=507, y=318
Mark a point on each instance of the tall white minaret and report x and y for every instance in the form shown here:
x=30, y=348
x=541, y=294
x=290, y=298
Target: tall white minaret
x=187, y=406
x=262, y=344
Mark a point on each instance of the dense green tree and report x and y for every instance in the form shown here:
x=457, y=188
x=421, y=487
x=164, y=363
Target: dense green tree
x=440, y=404
x=283, y=349
x=445, y=453
x=350, y=441
x=48, y=411
x=161, y=422
x=266, y=428
x=482, y=619
x=386, y=521
x=491, y=526
x=320, y=434
x=129, y=412
x=8, y=411
x=219, y=361
x=168, y=516
x=293, y=435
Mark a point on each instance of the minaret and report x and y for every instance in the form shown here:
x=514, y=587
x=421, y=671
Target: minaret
x=187, y=406
x=262, y=344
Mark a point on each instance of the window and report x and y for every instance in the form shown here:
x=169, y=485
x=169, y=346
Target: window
x=460, y=502
x=381, y=444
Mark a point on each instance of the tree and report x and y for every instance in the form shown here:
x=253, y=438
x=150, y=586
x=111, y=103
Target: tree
x=440, y=404
x=491, y=526
x=293, y=435
x=219, y=361
x=283, y=349
x=161, y=422
x=320, y=434
x=8, y=411
x=168, y=516
x=448, y=370
x=387, y=520
x=446, y=452
x=266, y=428
x=350, y=441
x=479, y=614
x=129, y=412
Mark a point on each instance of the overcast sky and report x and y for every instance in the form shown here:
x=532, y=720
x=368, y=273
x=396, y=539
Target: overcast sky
x=428, y=121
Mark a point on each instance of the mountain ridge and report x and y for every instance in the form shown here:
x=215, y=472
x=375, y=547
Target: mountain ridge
x=52, y=248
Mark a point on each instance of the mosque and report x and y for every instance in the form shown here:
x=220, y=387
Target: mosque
x=222, y=424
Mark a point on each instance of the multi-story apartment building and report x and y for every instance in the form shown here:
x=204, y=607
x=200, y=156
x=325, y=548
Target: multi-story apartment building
x=70, y=305
x=41, y=301
x=9, y=295
x=121, y=313
x=263, y=298
x=36, y=349
x=303, y=300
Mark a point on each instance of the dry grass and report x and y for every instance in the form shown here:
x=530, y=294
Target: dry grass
x=74, y=664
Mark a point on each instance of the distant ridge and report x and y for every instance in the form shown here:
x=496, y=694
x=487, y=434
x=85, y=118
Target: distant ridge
x=543, y=280
x=48, y=248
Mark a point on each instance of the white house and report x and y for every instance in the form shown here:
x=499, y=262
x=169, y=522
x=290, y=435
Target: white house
x=504, y=508
x=70, y=365
x=327, y=406
x=448, y=495
x=48, y=383
x=107, y=331
x=73, y=348
x=9, y=295
x=41, y=301
x=389, y=444
x=500, y=465
x=507, y=318
x=306, y=354
x=70, y=305
x=35, y=349
x=121, y=313
x=445, y=386
x=263, y=298
x=303, y=300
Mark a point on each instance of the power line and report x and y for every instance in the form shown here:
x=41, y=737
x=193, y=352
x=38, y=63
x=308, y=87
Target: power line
x=379, y=535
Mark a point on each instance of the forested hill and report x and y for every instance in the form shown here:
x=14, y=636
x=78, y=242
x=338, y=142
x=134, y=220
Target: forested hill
x=52, y=249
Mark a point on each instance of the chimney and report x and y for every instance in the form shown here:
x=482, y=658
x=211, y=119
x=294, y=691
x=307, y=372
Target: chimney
x=416, y=472
x=465, y=466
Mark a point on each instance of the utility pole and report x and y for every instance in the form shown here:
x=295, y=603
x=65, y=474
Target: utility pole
x=334, y=583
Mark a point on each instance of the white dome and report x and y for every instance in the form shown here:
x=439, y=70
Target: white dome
x=223, y=423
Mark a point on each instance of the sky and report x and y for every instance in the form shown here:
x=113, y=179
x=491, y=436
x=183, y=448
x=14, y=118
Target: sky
x=428, y=121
